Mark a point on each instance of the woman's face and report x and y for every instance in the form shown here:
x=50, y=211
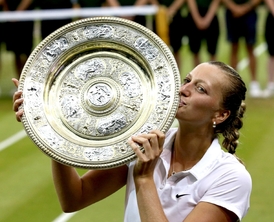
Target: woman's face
x=201, y=94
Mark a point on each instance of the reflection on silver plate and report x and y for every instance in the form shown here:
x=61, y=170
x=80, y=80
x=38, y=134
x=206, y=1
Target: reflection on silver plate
x=92, y=84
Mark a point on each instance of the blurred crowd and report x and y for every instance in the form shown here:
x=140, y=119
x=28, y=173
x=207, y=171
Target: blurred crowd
x=197, y=20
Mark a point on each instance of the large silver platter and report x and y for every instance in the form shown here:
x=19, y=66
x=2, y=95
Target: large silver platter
x=92, y=84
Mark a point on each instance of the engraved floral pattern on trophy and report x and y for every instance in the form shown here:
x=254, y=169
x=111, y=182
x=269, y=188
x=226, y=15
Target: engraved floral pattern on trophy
x=56, y=48
x=97, y=94
x=98, y=31
x=149, y=51
x=99, y=154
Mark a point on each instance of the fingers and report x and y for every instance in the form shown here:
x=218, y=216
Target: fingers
x=151, y=142
x=15, y=82
x=160, y=137
x=19, y=115
x=16, y=104
x=135, y=147
x=17, y=101
x=17, y=95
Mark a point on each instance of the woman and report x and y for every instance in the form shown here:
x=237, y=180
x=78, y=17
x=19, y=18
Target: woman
x=49, y=26
x=19, y=34
x=203, y=25
x=177, y=25
x=183, y=175
x=269, y=35
x=141, y=19
x=241, y=23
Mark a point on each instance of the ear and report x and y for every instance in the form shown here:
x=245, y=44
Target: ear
x=221, y=116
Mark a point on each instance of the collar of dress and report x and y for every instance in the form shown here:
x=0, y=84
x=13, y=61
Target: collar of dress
x=208, y=161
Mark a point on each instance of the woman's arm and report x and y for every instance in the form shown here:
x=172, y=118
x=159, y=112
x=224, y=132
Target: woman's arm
x=115, y=3
x=211, y=12
x=193, y=10
x=203, y=22
x=141, y=2
x=75, y=192
x=149, y=204
x=5, y=6
x=174, y=7
x=24, y=5
x=200, y=21
x=242, y=9
x=207, y=212
x=270, y=5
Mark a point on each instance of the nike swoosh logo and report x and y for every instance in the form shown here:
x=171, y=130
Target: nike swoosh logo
x=181, y=195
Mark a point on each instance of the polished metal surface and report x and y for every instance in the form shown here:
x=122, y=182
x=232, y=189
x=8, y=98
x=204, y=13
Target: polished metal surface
x=92, y=84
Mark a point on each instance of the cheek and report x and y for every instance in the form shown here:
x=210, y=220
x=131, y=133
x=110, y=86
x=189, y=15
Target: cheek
x=205, y=106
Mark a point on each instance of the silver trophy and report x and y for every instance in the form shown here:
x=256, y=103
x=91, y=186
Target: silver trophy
x=91, y=85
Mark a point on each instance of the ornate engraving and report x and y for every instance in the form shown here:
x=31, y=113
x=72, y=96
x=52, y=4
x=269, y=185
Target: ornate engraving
x=100, y=31
x=131, y=84
x=88, y=69
x=70, y=107
x=55, y=49
x=112, y=124
x=145, y=46
x=98, y=154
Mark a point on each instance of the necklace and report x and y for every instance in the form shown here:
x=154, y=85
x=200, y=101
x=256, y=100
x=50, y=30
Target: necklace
x=173, y=159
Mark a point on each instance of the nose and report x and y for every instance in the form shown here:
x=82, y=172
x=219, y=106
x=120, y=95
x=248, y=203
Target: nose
x=185, y=89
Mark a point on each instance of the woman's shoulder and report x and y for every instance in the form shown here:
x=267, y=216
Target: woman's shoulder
x=231, y=168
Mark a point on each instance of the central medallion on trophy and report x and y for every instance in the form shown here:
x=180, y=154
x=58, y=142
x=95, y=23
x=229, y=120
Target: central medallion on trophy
x=99, y=95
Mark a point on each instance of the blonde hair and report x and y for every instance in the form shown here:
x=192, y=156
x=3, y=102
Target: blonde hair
x=233, y=100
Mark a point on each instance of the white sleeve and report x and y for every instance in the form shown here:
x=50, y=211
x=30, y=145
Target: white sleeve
x=231, y=191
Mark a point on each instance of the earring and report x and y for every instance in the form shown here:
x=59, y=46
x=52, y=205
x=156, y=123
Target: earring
x=214, y=124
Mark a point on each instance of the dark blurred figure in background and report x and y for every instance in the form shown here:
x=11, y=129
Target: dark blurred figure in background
x=2, y=34
x=141, y=19
x=241, y=21
x=177, y=26
x=269, y=37
x=49, y=26
x=19, y=34
x=1, y=39
x=203, y=25
x=87, y=3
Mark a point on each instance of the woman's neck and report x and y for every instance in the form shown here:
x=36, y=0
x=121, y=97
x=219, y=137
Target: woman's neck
x=189, y=148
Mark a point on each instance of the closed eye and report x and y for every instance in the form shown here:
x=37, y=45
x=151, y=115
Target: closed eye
x=186, y=80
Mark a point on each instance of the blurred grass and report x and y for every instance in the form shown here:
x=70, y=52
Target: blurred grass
x=256, y=149
x=26, y=188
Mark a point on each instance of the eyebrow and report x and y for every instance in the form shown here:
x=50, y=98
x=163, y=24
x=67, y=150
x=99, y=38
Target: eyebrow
x=198, y=80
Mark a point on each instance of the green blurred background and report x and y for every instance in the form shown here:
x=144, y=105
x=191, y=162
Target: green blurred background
x=26, y=188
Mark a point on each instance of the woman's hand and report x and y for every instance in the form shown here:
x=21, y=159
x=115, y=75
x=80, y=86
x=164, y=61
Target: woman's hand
x=17, y=101
x=153, y=146
x=149, y=204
